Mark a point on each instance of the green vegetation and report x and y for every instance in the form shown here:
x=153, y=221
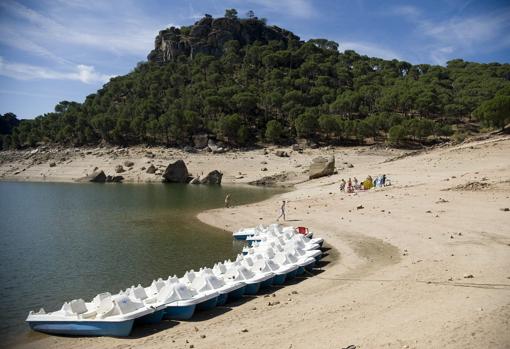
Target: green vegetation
x=260, y=89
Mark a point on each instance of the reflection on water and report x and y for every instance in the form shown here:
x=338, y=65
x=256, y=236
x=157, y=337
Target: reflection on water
x=65, y=241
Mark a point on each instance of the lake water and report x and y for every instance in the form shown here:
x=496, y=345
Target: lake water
x=64, y=241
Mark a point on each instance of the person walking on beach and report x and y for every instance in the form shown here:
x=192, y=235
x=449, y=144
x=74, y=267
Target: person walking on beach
x=227, y=201
x=282, y=214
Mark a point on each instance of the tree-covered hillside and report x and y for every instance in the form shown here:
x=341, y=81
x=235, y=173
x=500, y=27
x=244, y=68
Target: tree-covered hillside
x=243, y=82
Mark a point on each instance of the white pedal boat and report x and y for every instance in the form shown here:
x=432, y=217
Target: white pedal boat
x=105, y=315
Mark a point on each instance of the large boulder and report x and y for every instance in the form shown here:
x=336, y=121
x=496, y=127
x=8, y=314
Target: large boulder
x=97, y=177
x=212, y=145
x=321, y=167
x=213, y=177
x=216, y=149
x=176, y=172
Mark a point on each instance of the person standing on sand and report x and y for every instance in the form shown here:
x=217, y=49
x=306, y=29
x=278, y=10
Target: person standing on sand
x=282, y=214
x=342, y=185
x=349, y=186
x=227, y=201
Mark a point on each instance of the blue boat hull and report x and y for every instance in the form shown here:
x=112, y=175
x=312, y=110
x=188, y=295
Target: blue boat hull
x=310, y=266
x=267, y=283
x=236, y=294
x=291, y=275
x=300, y=270
x=208, y=304
x=279, y=279
x=180, y=313
x=252, y=289
x=240, y=237
x=222, y=299
x=153, y=318
x=84, y=328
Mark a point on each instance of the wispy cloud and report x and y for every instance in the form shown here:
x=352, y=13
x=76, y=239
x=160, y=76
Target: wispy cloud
x=441, y=40
x=369, y=49
x=468, y=31
x=128, y=35
x=293, y=8
x=20, y=71
x=405, y=10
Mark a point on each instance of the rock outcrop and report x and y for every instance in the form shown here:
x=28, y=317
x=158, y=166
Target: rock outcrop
x=213, y=177
x=321, y=167
x=114, y=179
x=176, y=172
x=97, y=177
x=209, y=35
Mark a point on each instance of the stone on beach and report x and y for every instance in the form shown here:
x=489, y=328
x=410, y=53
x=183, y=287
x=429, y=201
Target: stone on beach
x=97, y=177
x=321, y=167
x=281, y=154
x=176, y=172
x=213, y=177
x=195, y=180
x=151, y=169
x=119, y=169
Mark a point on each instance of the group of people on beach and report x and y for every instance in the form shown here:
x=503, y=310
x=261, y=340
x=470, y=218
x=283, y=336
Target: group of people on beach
x=352, y=185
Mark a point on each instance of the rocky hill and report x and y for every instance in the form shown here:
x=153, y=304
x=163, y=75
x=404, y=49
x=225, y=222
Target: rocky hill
x=209, y=35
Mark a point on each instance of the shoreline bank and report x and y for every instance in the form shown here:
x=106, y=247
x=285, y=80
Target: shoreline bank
x=424, y=262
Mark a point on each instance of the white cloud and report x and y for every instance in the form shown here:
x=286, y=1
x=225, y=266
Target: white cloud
x=20, y=71
x=67, y=24
x=369, y=49
x=457, y=36
x=467, y=31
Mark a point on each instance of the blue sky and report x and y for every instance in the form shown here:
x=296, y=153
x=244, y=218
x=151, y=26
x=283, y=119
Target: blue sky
x=66, y=49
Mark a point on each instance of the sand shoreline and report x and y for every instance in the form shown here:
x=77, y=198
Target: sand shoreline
x=424, y=264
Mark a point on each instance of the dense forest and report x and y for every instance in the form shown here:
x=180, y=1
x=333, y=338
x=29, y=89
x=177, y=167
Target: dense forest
x=243, y=82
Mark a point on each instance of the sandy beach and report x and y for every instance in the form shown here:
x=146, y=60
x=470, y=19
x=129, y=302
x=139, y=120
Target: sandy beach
x=423, y=263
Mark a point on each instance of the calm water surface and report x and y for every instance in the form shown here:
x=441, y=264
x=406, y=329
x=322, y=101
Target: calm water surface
x=64, y=241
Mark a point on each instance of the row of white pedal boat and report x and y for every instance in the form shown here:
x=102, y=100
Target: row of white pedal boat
x=271, y=260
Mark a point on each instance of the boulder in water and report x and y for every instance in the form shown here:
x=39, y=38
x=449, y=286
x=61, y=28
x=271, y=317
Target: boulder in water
x=95, y=177
x=176, y=172
x=213, y=177
x=321, y=167
x=195, y=180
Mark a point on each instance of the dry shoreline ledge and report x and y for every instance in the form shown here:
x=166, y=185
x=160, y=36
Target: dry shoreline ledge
x=424, y=264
